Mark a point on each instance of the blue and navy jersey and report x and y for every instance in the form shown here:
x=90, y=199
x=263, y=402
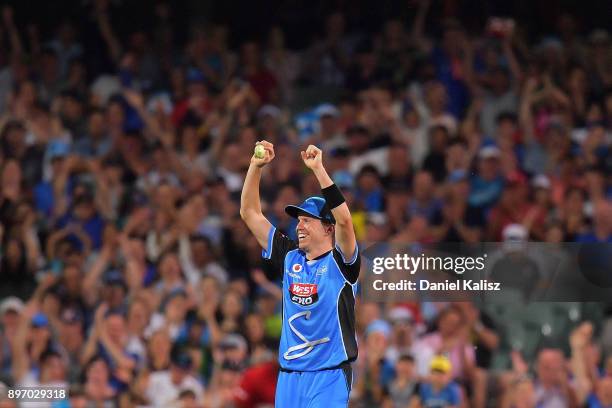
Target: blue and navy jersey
x=318, y=305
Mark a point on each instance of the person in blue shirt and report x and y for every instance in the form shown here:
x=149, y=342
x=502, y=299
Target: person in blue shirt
x=319, y=273
x=601, y=397
x=439, y=391
x=369, y=192
x=487, y=186
x=601, y=232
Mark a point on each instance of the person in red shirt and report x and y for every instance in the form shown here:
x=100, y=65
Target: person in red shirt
x=257, y=386
x=514, y=208
x=264, y=82
x=197, y=102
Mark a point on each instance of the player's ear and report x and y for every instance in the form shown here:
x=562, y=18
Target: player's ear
x=329, y=228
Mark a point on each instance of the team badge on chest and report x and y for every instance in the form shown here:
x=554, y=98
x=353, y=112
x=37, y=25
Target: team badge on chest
x=303, y=294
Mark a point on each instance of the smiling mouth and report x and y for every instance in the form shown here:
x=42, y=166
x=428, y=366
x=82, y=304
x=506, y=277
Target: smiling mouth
x=302, y=236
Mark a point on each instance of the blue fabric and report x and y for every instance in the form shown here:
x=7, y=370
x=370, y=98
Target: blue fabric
x=484, y=193
x=317, y=284
x=315, y=206
x=149, y=276
x=591, y=238
x=426, y=211
x=267, y=252
x=312, y=389
x=374, y=201
x=43, y=198
x=448, y=395
x=286, y=225
x=458, y=94
x=117, y=384
x=94, y=227
x=593, y=402
x=86, y=147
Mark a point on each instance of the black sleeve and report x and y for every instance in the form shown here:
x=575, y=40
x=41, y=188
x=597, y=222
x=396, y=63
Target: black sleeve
x=348, y=267
x=278, y=246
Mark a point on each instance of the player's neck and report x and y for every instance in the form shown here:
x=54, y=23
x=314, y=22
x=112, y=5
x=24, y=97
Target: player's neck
x=316, y=252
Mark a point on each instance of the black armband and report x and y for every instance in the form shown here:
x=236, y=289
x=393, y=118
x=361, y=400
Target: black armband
x=333, y=196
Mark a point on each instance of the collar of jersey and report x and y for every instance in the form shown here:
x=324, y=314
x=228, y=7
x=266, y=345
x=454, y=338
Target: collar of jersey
x=323, y=255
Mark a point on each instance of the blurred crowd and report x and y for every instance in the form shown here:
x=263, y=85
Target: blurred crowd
x=129, y=278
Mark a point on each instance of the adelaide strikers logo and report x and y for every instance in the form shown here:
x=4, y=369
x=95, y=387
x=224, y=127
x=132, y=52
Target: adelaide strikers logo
x=303, y=294
x=296, y=268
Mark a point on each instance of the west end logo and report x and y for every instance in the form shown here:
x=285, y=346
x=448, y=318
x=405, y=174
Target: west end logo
x=296, y=268
x=303, y=294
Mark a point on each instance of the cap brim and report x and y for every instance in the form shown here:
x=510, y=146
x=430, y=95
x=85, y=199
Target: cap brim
x=294, y=211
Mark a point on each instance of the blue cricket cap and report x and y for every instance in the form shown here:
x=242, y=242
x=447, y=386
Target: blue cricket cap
x=314, y=207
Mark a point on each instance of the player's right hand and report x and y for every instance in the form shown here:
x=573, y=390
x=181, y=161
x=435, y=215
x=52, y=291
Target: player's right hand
x=269, y=147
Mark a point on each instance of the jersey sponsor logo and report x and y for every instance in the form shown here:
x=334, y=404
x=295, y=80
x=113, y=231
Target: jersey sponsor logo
x=293, y=275
x=296, y=268
x=322, y=270
x=303, y=294
x=300, y=350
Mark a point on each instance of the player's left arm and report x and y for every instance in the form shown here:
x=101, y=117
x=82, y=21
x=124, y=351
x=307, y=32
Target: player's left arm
x=344, y=231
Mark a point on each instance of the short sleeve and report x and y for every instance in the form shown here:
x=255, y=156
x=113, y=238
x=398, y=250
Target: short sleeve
x=349, y=267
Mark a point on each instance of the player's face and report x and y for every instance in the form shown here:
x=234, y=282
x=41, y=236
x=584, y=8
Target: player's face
x=309, y=230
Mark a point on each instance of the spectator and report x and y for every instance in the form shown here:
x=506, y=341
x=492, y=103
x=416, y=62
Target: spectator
x=439, y=390
x=552, y=388
x=405, y=389
x=10, y=309
x=165, y=387
x=97, y=382
x=487, y=185
x=449, y=338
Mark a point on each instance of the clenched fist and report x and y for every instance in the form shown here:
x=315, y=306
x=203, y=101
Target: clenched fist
x=313, y=157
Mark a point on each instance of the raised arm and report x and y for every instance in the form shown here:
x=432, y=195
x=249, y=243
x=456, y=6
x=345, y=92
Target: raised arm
x=250, y=204
x=418, y=28
x=579, y=341
x=345, y=233
x=106, y=30
x=21, y=358
x=13, y=33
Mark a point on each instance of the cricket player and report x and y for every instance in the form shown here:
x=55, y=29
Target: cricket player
x=319, y=275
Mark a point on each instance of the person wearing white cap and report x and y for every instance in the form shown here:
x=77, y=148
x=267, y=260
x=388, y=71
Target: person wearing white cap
x=402, y=334
x=514, y=266
x=541, y=181
x=515, y=233
x=328, y=136
x=10, y=309
x=11, y=304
